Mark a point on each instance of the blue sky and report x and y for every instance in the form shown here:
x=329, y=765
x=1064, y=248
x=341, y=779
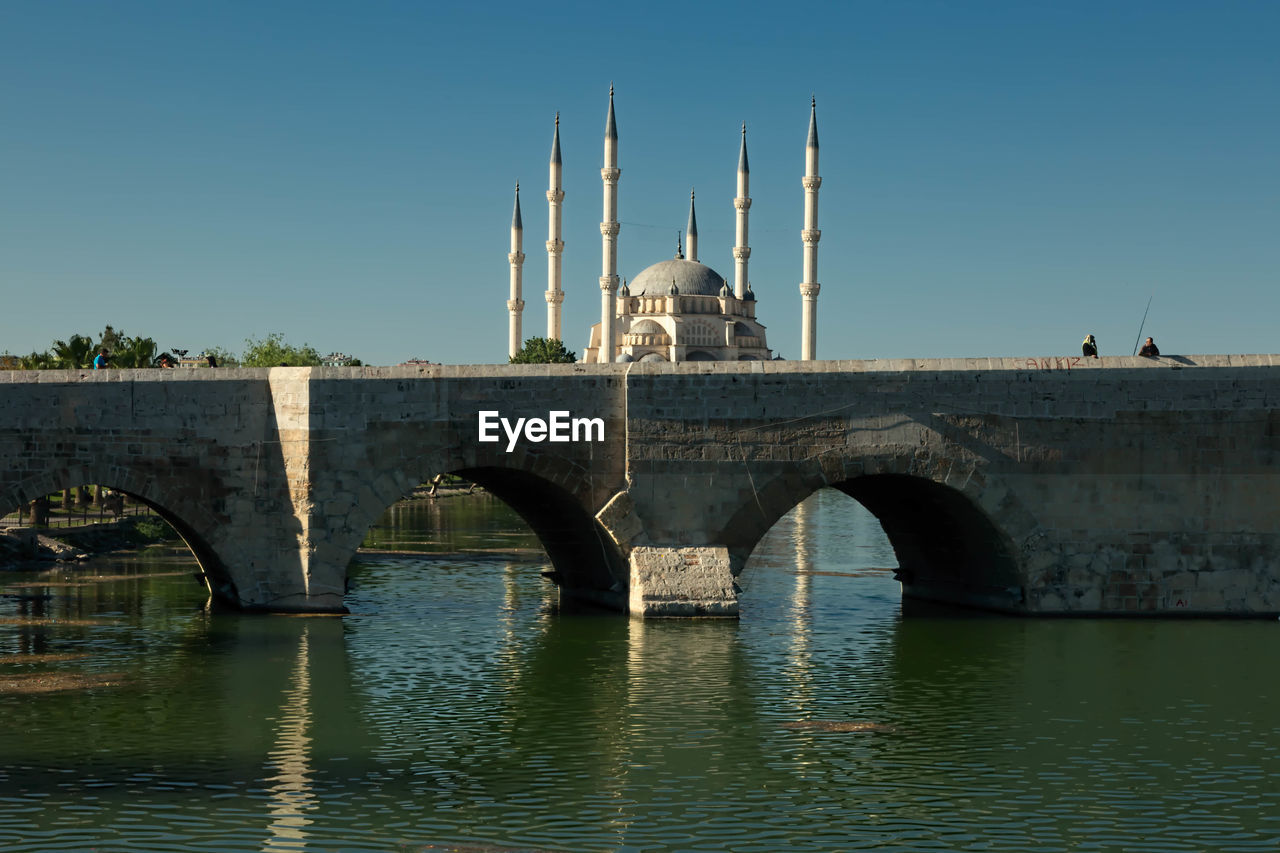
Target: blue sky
x=998, y=178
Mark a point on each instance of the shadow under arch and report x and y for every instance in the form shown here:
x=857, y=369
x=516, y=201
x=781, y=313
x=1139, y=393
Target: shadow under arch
x=588, y=565
x=947, y=547
x=216, y=576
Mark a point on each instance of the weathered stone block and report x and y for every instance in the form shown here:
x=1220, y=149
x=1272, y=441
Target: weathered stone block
x=682, y=581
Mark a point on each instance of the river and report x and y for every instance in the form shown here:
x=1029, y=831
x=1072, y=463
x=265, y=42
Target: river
x=457, y=707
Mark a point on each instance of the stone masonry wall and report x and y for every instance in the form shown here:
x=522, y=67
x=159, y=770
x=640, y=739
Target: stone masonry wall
x=1119, y=485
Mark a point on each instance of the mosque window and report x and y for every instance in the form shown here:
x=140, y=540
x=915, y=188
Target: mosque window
x=698, y=334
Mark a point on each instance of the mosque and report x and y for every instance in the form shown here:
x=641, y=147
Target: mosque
x=677, y=309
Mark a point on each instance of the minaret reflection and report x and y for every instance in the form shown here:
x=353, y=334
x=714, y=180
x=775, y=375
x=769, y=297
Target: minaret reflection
x=510, y=648
x=291, y=793
x=800, y=660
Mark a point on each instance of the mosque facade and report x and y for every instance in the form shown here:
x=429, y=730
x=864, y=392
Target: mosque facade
x=677, y=309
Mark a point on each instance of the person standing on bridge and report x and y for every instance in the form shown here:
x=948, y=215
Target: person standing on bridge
x=102, y=361
x=1149, y=349
x=1089, y=347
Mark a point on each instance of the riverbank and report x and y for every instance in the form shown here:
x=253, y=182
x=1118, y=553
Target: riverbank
x=35, y=548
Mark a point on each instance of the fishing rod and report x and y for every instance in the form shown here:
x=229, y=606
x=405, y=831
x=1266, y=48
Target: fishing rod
x=1143, y=323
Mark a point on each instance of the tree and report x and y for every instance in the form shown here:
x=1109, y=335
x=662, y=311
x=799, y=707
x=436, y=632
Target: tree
x=272, y=351
x=543, y=351
x=222, y=356
x=37, y=361
x=75, y=353
x=111, y=339
x=133, y=352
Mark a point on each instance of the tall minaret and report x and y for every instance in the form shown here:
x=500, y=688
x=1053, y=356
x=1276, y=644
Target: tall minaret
x=609, y=229
x=809, y=287
x=743, y=203
x=693, y=229
x=515, y=305
x=692, y=233
x=555, y=195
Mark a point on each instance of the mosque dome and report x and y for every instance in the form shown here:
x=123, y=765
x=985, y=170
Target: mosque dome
x=691, y=279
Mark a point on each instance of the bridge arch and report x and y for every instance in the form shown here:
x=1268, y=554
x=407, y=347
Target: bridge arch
x=955, y=533
x=194, y=521
x=555, y=497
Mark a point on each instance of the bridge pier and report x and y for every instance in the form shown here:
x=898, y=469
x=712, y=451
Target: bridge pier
x=675, y=581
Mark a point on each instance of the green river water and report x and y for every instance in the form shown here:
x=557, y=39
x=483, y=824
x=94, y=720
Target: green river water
x=456, y=708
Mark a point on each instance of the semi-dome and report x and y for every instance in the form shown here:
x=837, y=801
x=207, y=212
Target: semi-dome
x=691, y=279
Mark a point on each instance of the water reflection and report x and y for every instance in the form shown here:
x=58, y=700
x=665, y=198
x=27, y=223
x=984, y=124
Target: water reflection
x=474, y=525
x=458, y=707
x=799, y=665
x=291, y=792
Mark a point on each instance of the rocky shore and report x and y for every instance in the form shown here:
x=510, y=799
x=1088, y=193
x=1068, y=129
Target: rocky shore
x=32, y=549
x=26, y=548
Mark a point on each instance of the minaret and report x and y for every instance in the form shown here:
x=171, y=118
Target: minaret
x=691, y=234
x=555, y=245
x=609, y=229
x=810, y=235
x=743, y=203
x=515, y=305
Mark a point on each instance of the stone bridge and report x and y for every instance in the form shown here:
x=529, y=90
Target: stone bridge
x=1036, y=486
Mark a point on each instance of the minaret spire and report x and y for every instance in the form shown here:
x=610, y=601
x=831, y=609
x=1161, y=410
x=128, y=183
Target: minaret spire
x=741, y=252
x=609, y=229
x=691, y=234
x=515, y=305
x=809, y=287
x=555, y=245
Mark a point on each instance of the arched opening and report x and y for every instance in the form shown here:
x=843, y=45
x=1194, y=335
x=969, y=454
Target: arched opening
x=585, y=563
x=945, y=547
x=86, y=515
x=699, y=355
x=827, y=555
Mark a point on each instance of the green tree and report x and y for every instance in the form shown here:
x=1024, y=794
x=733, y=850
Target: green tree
x=37, y=361
x=543, y=351
x=111, y=339
x=134, y=352
x=75, y=353
x=272, y=351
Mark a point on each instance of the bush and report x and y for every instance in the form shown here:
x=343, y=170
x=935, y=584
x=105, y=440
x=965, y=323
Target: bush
x=148, y=529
